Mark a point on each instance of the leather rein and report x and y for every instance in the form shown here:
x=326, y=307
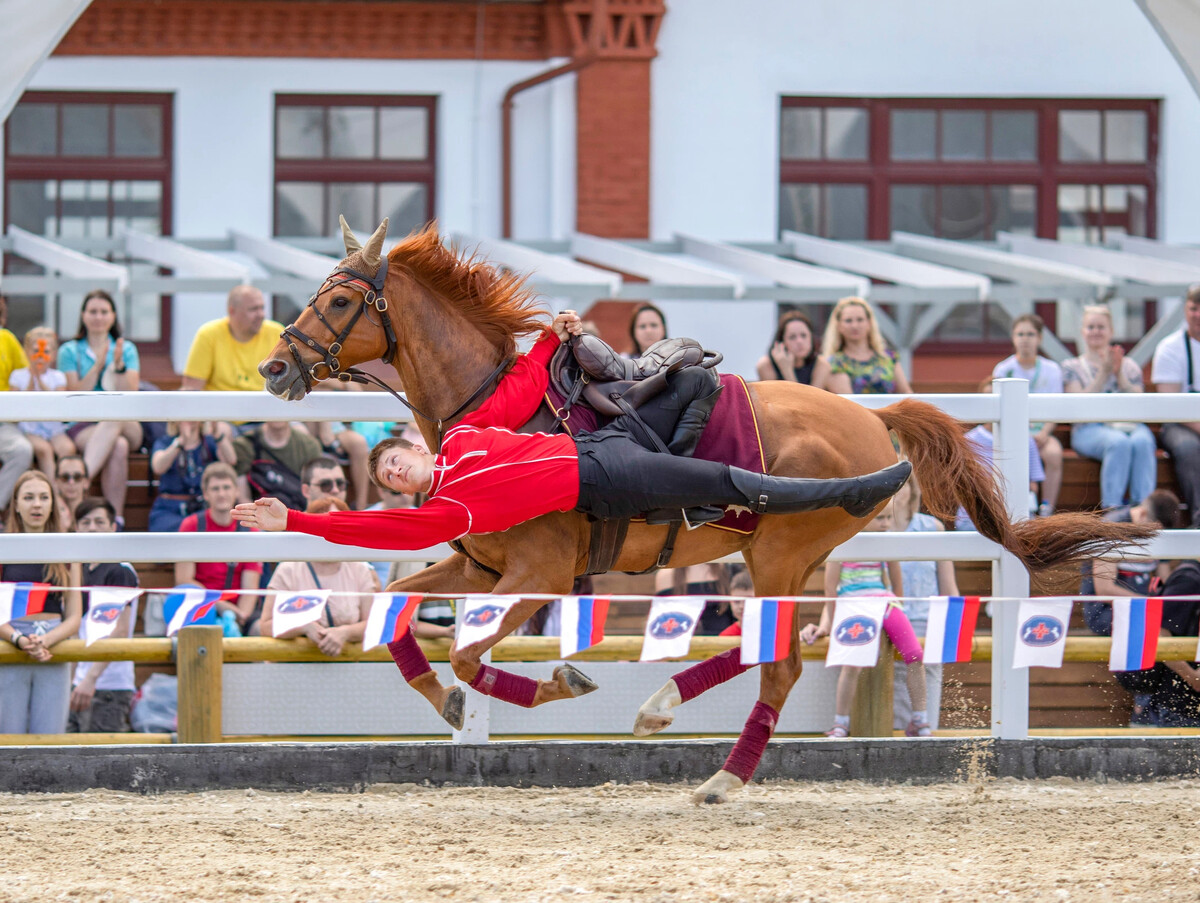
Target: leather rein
x=372, y=296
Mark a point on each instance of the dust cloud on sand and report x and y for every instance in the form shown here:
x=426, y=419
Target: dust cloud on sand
x=1046, y=840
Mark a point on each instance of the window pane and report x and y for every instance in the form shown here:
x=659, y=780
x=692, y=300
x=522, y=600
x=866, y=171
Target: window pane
x=352, y=132
x=914, y=208
x=1014, y=135
x=964, y=214
x=800, y=133
x=845, y=133
x=85, y=130
x=403, y=133
x=1079, y=135
x=1014, y=209
x=405, y=204
x=31, y=206
x=137, y=130
x=1078, y=213
x=138, y=206
x=33, y=130
x=914, y=134
x=800, y=208
x=845, y=212
x=299, y=208
x=84, y=209
x=963, y=134
x=356, y=202
x=299, y=134
x=1125, y=136
x=1125, y=210
x=142, y=319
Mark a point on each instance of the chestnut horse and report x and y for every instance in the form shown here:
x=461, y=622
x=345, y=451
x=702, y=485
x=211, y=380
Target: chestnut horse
x=448, y=325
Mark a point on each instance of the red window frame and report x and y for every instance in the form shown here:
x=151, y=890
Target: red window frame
x=1046, y=173
x=328, y=170
x=107, y=168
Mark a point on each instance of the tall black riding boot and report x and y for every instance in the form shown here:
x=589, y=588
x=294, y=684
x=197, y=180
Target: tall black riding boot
x=691, y=423
x=859, y=496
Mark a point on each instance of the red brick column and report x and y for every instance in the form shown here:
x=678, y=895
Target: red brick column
x=613, y=149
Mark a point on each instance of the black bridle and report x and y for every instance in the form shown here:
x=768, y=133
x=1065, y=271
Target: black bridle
x=372, y=296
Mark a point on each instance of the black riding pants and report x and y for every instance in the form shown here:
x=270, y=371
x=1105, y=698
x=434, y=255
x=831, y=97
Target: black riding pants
x=619, y=478
x=662, y=412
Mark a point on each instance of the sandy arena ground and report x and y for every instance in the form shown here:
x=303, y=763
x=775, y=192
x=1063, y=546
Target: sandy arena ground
x=1049, y=840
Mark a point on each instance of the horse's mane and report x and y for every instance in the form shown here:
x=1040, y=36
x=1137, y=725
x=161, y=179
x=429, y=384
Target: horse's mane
x=500, y=305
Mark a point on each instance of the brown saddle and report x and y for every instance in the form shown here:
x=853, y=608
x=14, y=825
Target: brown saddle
x=588, y=368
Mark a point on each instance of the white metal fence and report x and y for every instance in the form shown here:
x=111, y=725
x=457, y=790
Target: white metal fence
x=1010, y=408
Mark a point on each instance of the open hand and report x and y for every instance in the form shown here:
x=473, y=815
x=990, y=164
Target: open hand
x=783, y=358
x=265, y=514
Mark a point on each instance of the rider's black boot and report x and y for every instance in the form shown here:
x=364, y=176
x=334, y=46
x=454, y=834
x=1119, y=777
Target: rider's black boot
x=859, y=496
x=691, y=423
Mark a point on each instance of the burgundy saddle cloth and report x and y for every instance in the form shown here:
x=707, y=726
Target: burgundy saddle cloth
x=731, y=437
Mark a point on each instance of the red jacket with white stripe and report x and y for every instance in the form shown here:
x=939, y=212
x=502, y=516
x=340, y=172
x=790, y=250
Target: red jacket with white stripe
x=487, y=477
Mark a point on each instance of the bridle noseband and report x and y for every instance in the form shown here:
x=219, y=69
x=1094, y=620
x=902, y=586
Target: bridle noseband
x=372, y=289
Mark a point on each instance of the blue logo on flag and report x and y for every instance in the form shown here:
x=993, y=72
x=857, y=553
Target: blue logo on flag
x=105, y=614
x=670, y=624
x=300, y=603
x=1041, y=630
x=484, y=614
x=856, y=631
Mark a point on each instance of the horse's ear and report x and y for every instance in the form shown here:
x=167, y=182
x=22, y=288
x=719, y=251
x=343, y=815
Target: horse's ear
x=348, y=237
x=373, y=249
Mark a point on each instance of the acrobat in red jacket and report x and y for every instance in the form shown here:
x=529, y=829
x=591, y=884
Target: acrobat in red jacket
x=487, y=477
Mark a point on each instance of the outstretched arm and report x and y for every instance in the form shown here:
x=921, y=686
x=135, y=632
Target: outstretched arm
x=438, y=520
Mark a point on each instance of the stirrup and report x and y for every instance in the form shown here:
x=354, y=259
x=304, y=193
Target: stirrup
x=694, y=517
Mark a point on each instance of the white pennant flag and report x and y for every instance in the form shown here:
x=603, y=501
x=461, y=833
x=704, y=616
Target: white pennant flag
x=292, y=610
x=1041, y=633
x=105, y=604
x=670, y=626
x=481, y=618
x=857, y=624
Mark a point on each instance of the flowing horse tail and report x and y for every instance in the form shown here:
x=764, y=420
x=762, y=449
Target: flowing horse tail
x=950, y=474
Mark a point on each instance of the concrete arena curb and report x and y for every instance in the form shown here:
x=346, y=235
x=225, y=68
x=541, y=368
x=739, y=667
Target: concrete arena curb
x=352, y=766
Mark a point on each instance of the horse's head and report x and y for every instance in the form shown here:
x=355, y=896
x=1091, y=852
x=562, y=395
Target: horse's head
x=345, y=323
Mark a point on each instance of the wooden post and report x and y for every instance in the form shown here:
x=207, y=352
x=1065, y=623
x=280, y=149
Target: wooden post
x=872, y=715
x=198, y=663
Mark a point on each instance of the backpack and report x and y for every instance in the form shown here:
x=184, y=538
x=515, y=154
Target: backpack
x=270, y=477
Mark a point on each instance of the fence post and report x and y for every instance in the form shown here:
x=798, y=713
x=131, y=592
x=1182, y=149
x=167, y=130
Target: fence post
x=872, y=713
x=478, y=711
x=198, y=661
x=1010, y=686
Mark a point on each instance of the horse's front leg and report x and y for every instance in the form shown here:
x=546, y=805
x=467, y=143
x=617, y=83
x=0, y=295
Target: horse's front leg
x=547, y=577
x=456, y=574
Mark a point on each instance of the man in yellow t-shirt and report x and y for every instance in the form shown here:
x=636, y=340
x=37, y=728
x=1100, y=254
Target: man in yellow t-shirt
x=16, y=454
x=225, y=353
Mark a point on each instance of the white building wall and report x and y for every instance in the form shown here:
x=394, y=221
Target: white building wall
x=224, y=132
x=720, y=74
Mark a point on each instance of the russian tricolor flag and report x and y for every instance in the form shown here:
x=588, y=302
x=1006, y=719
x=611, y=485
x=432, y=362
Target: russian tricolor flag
x=1135, y=627
x=390, y=616
x=583, y=620
x=950, y=630
x=766, y=630
x=194, y=604
x=20, y=599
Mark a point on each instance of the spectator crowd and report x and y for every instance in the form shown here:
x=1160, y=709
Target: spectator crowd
x=59, y=477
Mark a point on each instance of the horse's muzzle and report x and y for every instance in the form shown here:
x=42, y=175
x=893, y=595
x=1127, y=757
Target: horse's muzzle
x=282, y=378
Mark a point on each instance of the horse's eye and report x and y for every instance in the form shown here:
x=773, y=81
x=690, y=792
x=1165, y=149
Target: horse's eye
x=341, y=302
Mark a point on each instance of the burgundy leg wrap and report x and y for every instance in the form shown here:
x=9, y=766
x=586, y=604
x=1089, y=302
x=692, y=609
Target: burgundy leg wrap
x=707, y=674
x=748, y=750
x=503, y=685
x=409, y=658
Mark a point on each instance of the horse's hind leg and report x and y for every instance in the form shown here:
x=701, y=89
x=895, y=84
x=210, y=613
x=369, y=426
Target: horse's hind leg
x=776, y=680
x=456, y=574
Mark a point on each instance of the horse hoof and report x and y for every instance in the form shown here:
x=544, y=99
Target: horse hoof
x=648, y=723
x=717, y=789
x=454, y=707
x=655, y=713
x=576, y=682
